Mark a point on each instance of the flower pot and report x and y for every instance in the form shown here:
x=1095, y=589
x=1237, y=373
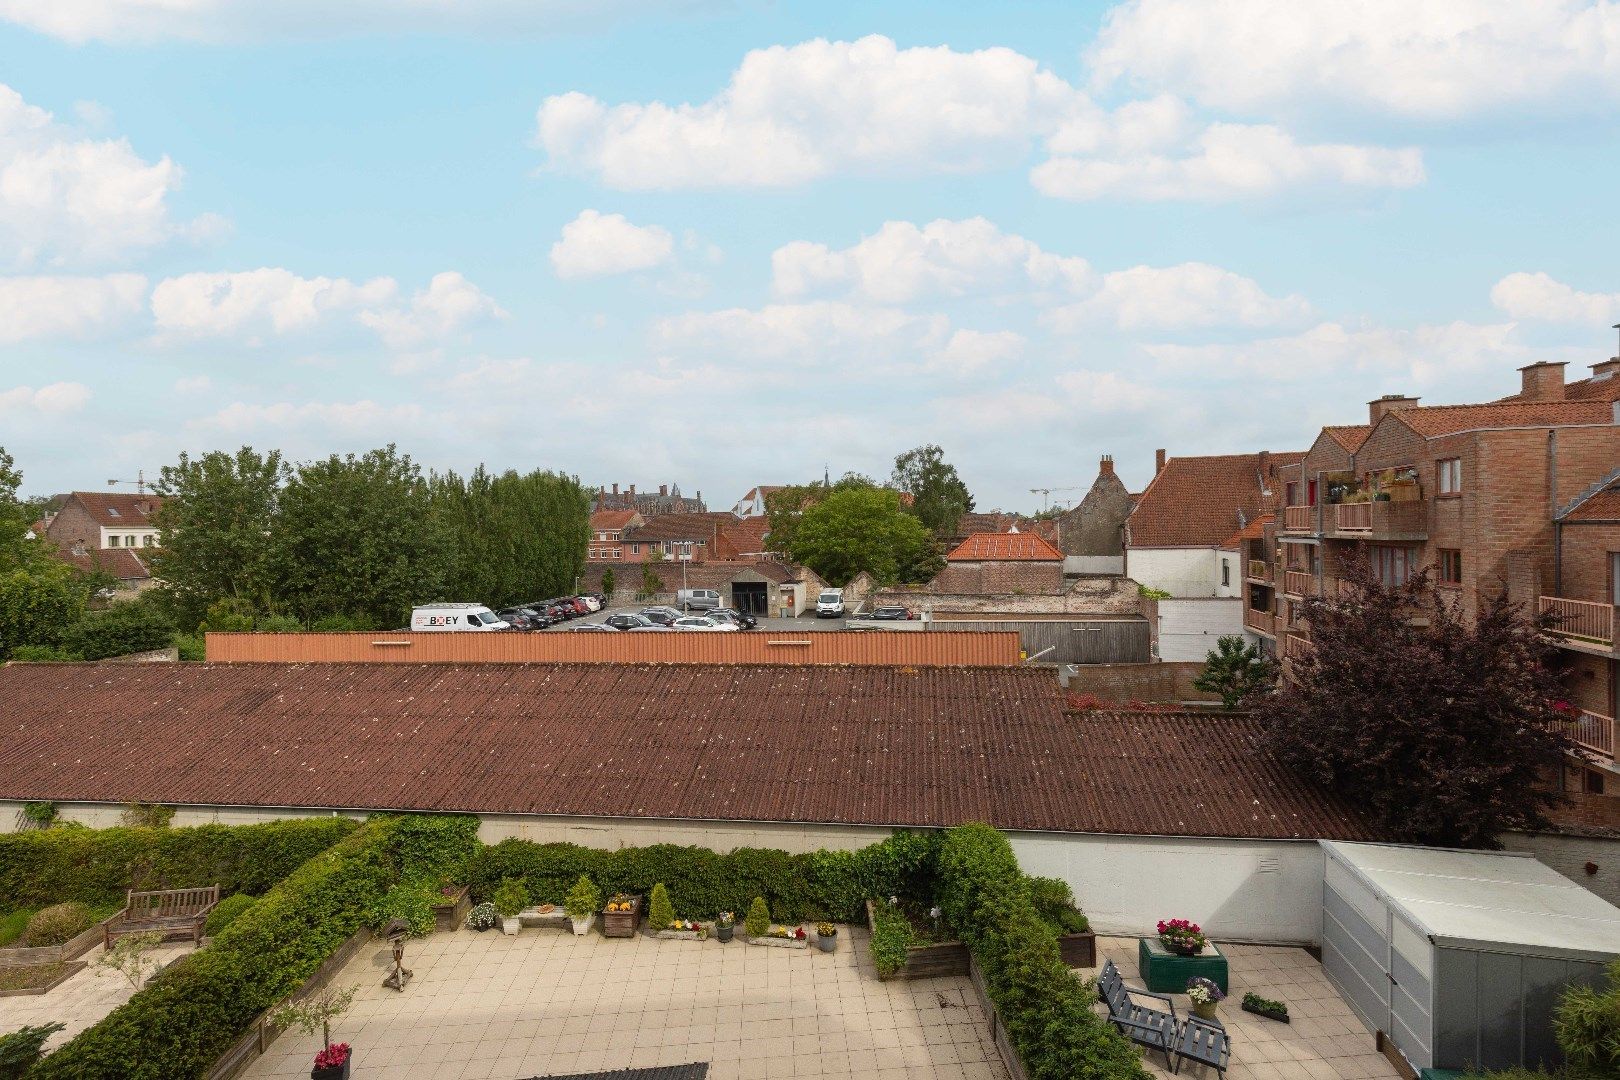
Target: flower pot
x=510, y=925
x=1181, y=948
x=827, y=942
x=582, y=924
x=333, y=1072
x=724, y=932
x=1206, y=1011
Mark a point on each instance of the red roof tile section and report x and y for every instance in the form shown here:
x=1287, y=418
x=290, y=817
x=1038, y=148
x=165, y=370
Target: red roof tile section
x=1349, y=436
x=1432, y=421
x=1196, y=501
x=892, y=746
x=1600, y=506
x=611, y=520
x=1004, y=547
x=113, y=509
x=121, y=563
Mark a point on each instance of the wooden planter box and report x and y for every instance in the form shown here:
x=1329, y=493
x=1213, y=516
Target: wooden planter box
x=451, y=912
x=69, y=969
x=927, y=961
x=1078, y=950
x=22, y=956
x=622, y=923
x=780, y=942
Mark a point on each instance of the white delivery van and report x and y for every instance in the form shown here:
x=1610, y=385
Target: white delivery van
x=697, y=599
x=456, y=617
x=830, y=604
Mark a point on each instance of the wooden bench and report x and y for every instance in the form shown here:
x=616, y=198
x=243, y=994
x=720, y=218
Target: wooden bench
x=164, y=911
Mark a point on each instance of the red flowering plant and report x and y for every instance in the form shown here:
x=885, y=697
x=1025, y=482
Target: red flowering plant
x=333, y=1056
x=1182, y=936
x=799, y=934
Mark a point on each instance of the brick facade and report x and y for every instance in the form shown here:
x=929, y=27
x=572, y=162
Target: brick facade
x=1097, y=525
x=1000, y=577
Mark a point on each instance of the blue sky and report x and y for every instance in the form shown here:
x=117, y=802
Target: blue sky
x=728, y=244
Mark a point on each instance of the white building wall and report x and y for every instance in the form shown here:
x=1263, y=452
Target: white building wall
x=1177, y=571
x=1188, y=629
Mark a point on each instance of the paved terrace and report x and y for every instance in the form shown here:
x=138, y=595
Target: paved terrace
x=81, y=1001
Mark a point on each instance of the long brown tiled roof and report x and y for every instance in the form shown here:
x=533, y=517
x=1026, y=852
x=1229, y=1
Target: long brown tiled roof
x=611, y=520
x=121, y=563
x=114, y=509
x=1349, y=436
x=1432, y=421
x=1196, y=501
x=680, y=527
x=913, y=746
x=1004, y=547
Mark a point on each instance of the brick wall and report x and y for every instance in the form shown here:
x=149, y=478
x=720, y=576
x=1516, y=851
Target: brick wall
x=1168, y=681
x=1087, y=596
x=1097, y=525
x=1588, y=551
x=1569, y=853
x=1000, y=577
x=73, y=525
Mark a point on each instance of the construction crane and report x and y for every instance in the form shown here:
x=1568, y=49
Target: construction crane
x=140, y=484
x=1045, y=493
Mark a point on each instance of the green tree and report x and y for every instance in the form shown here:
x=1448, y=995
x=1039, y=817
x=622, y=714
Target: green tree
x=651, y=583
x=358, y=535
x=40, y=597
x=217, y=521
x=514, y=536
x=1235, y=671
x=863, y=528
x=608, y=582
x=938, y=496
x=785, y=507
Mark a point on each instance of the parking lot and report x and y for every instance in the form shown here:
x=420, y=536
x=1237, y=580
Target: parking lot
x=799, y=625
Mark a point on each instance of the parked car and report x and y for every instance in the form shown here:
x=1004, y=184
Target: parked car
x=830, y=604
x=578, y=604
x=523, y=618
x=653, y=629
x=702, y=623
x=627, y=621
x=593, y=603
x=596, y=626
x=894, y=613
x=743, y=620
x=463, y=617
x=661, y=616
x=697, y=599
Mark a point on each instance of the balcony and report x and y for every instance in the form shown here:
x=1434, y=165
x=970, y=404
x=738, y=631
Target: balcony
x=1259, y=571
x=1594, y=732
x=1583, y=623
x=1297, y=647
x=1299, y=519
x=1378, y=520
x=1261, y=622
x=1299, y=583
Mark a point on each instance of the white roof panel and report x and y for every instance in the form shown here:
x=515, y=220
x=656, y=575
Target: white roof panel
x=1487, y=899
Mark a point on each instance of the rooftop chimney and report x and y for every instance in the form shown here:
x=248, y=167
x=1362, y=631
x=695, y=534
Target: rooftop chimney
x=615, y=489
x=663, y=489
x=1105, y=467
x=1608, y=368
x=1388, y=404
x=632, y=489
x=1543, y=381
x=1158, y=461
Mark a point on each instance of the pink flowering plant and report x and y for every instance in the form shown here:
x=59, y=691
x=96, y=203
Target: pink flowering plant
x=1181, y=935
x=333, y=1056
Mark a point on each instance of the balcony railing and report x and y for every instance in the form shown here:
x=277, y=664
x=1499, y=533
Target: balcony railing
x=1297, y=647
x=1299, y=582
x=1407, y=520
x=1258, y=570
x=1353, y=517
x=1261, y=622
x=1299, y=519
x=1581, y=620
x=1595, y=732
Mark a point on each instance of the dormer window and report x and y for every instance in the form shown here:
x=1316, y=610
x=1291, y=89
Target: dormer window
x=111, y=512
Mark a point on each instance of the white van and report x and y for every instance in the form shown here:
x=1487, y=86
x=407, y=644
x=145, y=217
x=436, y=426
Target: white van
x=830, y=604
x=697, y=599
x=456, y=617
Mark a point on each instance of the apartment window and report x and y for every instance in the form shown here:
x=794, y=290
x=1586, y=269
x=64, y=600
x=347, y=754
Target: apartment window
x=1449, y=475
x=618, y=553
x=112, y=541
x=148, y=540
x=1393, y=565
x=1226, y=574
x=1450, y=566
x=635, y=549
x=1291, y=497
x=1594, y=781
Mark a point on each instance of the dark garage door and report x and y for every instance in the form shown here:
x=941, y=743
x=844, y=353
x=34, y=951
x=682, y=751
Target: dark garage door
x=750, y=596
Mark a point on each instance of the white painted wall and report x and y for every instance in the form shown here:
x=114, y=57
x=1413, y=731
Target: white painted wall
x=1237, y=890
x=1177, y=571
x=1188, y=629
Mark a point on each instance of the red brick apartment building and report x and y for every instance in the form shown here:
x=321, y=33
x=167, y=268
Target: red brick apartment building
x=1524, y=490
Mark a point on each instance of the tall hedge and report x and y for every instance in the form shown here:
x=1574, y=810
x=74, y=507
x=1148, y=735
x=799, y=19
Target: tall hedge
x=702, y=883
x=1046, y=1010
x=183, y=1019
x=95, y=866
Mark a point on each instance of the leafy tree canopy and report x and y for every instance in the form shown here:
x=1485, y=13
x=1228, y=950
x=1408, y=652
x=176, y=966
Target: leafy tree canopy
x=862, y=527
x=939, y=498
x=1441, y=726
x=1236, y=671
x=785, y=507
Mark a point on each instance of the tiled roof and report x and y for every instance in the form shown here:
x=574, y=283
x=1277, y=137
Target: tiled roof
x=679, y=527
x=1004, y=547
x=1591, y=389
x=1432, y=421
x=1195, y=501
x=114, y=510
x=1603, y=505
x=610, y=520
x=741, y=539
x=1349, y=436
x=1254, y=530
x=920, y=746
x=121, y=563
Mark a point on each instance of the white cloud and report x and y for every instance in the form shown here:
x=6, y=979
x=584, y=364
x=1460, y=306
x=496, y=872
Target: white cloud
x=193, y=384
x=449, y=304
x=1540, y=296
x=352, y=417
x=1437, y=59
x=269, y=299
x=1229, y=161
x=67, y=307
x=594, y=244
x=792, y=114
x=55, y=399
x=901, y=262
x=822, y=331
x=970, y=351
x=1188, y=295
x=68, y=200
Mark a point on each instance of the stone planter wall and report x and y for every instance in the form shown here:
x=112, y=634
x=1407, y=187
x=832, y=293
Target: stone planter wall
x=69, y=969
x=780, y=942
x=682, y=935
x=452, y=913
x=928, y=961
x=20, y=956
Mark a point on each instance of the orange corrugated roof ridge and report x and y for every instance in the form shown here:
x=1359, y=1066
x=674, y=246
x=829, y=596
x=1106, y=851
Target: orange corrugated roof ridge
x=1004, y=547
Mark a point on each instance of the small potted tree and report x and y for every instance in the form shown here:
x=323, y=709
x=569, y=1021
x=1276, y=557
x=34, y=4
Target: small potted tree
x=581, y=904
x=316, y=1013
x=758, y=922
x=509, y=899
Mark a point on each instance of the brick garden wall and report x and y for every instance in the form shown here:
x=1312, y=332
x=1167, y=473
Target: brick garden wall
x=1168, y=681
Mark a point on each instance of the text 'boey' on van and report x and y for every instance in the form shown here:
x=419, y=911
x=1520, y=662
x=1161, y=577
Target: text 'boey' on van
x=456, y=617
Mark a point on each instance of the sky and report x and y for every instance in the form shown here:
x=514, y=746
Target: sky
x=722, y=244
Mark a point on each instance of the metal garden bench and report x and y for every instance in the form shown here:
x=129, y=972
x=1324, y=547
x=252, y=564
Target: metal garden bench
x=1146, y=1025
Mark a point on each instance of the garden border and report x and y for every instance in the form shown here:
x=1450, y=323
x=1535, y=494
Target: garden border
x=72, y=968
x=71, y=949
x=926, y=961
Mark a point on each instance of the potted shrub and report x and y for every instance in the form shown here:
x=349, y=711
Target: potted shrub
x=581, y=904
x=1266, y=1007
x=483, y=917
x=725, y=926
x=1182, y=937
x=759, y=918
x=510, y=898
x=316, y=1013
x=826, y=936
x=621, y=915
x=660, y=912
x=1204, y=995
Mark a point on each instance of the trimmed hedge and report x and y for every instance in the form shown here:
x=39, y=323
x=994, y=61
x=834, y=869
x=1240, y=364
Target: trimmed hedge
x=179, y=1024
x=1046, y=1010
x=40, y=867
x=830, y=885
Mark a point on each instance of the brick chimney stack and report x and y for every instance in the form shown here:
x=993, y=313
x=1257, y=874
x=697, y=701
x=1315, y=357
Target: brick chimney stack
x=632, y=489
x=663, y=489
x=1388, y=404
x=1543, y=381
x=1105, y=467
x=1608, y=368
x=615, y=489
x=1158, y=461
